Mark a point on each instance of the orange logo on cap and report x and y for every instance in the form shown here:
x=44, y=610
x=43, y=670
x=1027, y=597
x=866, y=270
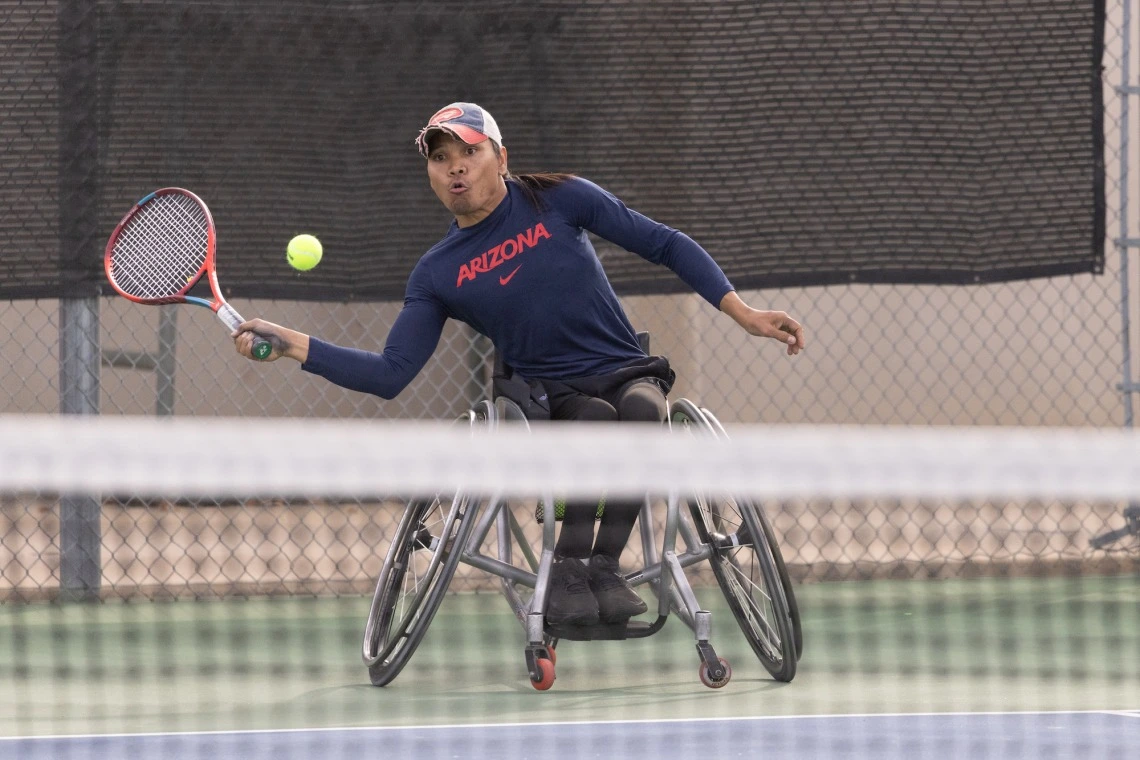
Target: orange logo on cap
x=445, y=114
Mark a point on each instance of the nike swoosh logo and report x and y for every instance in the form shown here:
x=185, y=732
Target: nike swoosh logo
x=505, y=280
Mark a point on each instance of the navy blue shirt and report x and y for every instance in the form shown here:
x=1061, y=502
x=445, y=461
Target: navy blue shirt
x=530, y=281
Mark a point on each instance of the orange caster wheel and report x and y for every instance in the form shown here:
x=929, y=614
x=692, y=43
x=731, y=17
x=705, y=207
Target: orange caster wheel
x=708, y=681
x=546, y=674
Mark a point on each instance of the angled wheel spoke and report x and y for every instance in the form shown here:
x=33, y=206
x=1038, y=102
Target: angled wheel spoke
x=759, y=616
x=749, y=577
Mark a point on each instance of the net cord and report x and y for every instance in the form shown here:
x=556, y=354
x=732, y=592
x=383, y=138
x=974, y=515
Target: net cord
x=218, y=457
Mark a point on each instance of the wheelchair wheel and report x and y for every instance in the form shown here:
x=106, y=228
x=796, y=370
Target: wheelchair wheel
x=420, y=564
x=746, y=570
x=777, y=555
x=421, y=561
x=785, y=581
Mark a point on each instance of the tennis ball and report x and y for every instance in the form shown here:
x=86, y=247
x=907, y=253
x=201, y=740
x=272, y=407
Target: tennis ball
x=304, y=252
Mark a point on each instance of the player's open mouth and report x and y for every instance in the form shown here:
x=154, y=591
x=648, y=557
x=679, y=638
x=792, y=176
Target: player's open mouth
x=458, y=187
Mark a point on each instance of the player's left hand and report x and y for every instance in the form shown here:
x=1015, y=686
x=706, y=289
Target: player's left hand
x=777, y=325
x=767, y=324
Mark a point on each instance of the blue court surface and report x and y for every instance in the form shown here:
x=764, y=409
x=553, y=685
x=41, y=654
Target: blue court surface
x=1025, y=736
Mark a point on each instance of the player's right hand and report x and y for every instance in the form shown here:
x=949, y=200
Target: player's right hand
x=285, y=342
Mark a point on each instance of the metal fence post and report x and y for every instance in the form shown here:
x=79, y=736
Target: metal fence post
x=79, y=531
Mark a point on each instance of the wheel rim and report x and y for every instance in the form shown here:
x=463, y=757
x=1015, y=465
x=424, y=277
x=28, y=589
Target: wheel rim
x=421, y=561
x=749, y=581
x=738, y=567
x=424, y=540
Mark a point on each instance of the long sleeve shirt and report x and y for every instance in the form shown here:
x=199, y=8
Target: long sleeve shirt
x=529, y=280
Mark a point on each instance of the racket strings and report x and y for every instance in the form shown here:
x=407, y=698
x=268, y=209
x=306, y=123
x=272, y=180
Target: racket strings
x=162, y=248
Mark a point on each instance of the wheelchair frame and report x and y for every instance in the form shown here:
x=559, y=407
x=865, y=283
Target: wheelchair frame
x=435, y=535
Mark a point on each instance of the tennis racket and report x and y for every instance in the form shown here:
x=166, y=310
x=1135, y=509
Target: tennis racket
x=161, y=249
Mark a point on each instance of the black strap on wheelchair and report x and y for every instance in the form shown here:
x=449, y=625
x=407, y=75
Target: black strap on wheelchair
x=529, y=394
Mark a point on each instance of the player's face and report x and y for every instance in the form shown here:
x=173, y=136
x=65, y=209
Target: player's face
x=467, y=179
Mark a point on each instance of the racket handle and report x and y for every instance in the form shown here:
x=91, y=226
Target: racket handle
x=262, y=347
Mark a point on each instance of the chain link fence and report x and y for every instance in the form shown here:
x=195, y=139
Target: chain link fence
x=1050, y=351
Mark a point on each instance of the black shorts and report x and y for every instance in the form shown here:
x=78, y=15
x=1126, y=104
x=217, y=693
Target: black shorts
x=534, y=395
x=610, y=386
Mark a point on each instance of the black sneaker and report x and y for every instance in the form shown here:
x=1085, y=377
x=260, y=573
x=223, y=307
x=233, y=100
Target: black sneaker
x=617, y=601
x=570, y=601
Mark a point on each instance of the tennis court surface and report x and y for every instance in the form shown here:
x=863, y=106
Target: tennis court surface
x=1010, y=667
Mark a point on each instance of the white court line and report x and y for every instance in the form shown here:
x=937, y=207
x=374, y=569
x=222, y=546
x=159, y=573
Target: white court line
x=641, y=721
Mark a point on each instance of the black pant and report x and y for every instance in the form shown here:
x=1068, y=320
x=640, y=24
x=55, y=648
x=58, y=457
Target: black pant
x=634, y=394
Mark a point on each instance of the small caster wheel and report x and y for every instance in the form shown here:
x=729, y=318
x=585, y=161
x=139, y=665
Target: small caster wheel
x=546, y=674
x=708, y=681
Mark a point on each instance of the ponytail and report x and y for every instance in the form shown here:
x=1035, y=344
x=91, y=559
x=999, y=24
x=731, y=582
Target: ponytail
x=534, y=185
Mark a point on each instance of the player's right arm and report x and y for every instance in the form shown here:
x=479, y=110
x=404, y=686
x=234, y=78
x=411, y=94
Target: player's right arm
x=411, y=342
x=285, y=342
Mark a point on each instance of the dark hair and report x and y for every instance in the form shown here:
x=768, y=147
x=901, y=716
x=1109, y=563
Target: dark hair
x=533, y=185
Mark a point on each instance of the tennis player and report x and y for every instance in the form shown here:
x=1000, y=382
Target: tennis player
x=516, y=264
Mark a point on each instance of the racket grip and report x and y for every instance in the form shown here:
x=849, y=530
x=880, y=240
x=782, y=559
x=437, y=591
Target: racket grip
x=262, y=348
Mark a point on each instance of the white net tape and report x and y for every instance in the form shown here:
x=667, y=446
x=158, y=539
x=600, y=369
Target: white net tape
x=219, y=457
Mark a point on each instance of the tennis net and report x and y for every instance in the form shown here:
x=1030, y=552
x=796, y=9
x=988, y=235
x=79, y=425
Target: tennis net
x=205, y=587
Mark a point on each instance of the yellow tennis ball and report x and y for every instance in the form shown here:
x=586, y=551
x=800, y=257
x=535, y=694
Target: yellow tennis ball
x=304, y=252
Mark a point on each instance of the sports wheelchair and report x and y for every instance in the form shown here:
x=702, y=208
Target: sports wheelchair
x=732, y=534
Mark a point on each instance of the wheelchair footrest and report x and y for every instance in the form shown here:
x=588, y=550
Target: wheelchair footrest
x=633, y=629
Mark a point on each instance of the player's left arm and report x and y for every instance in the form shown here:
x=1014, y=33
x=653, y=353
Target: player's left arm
x=606, y=215
x=767, y=324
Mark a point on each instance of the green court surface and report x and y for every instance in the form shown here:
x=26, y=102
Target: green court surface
x=990, y=645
